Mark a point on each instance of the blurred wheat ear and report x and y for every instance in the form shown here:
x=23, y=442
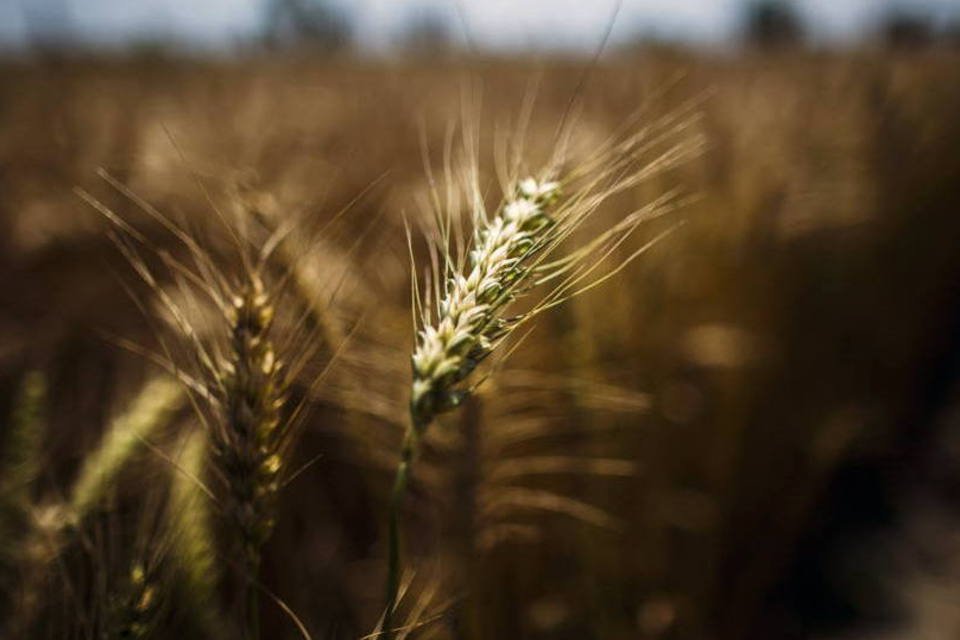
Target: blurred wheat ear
x=154, y=406
x=19, y=467
x=423, y=611
x=238, y=340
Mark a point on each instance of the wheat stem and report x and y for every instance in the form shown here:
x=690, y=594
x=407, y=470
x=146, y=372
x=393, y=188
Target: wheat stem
x=252, y=602
x=466, y=481
x=396, y=504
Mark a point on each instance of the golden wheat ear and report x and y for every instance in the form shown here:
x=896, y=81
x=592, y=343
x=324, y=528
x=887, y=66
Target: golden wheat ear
x=134, y=609
x=518, y=444
x=20, y=462
x=131, y=590
x=532, y=239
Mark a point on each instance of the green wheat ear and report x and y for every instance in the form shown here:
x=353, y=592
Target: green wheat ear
x=19, y=466
x=192, y=544
x=152, y=408
x=20, y=463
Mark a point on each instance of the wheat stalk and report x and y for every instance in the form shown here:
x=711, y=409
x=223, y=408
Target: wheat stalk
x=470, y=322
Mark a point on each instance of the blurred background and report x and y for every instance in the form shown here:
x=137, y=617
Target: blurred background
x=782, y=373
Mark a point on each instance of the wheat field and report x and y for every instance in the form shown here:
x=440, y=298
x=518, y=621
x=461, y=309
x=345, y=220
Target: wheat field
x=748, y=430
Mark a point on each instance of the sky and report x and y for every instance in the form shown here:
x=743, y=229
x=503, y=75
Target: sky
x=498, y=24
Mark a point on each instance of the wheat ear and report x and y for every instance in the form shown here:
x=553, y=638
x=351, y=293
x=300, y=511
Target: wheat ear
x=513, y=252
x=21, y=449
x=469, y=323
x=21, y=456
x=248, y=442
x=238, y=383
x=470, y=319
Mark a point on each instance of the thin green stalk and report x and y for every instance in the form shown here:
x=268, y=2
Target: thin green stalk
x=466, y=480
x=396, y=505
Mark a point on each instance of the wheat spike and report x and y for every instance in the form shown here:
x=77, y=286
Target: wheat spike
x=153, y=407
x=251, y=393
x=469, y=314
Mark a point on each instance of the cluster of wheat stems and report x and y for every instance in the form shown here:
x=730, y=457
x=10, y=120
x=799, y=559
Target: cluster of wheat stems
x=238, y=351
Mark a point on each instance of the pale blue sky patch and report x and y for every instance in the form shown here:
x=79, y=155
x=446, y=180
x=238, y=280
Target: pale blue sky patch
x=502, y=24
